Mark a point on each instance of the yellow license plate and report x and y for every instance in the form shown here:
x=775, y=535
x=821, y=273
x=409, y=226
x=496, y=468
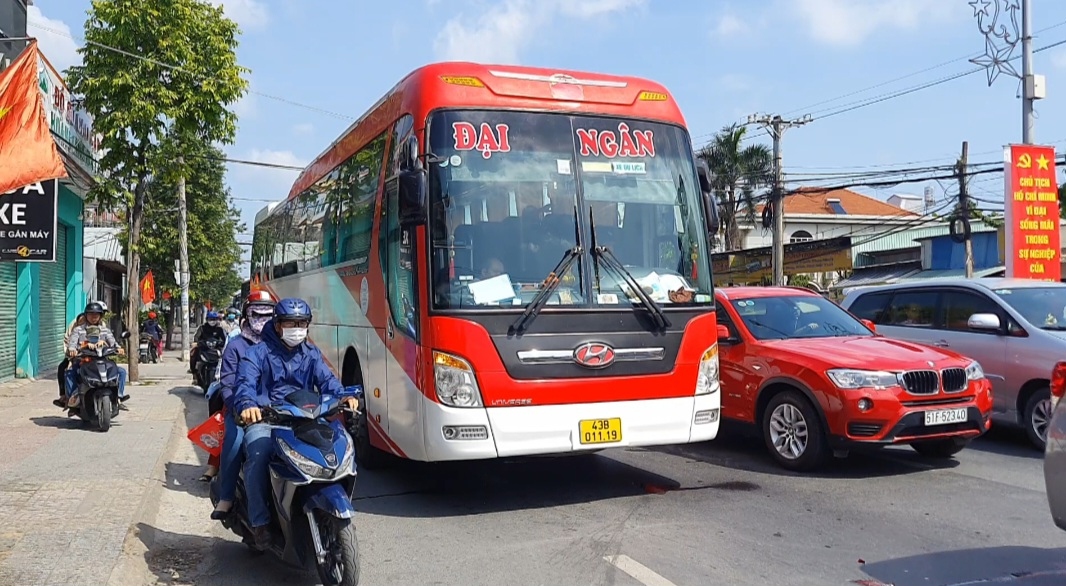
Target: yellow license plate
x=601, y=431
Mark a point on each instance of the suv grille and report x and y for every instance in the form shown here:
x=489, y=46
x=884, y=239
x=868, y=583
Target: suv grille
x=921, y=382
x=954, y=380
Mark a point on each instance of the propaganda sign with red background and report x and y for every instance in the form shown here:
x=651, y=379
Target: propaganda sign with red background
x=1032, y=243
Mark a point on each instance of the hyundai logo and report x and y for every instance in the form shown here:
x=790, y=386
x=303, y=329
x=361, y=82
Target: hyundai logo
x=594, y=355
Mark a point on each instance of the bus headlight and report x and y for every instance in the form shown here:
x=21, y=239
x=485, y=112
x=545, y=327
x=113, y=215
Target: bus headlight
x=707, y=377
x=455, y=382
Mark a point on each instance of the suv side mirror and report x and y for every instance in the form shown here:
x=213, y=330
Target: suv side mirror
x=984, y=322
x=724, y=335
x=869, y=325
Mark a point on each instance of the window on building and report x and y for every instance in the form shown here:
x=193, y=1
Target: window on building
x=801, y=236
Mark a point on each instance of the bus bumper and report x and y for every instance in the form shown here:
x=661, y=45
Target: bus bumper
x=556, y=429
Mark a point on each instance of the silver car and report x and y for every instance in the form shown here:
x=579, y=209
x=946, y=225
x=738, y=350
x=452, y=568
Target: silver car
x=1015, y=328
x=1055, y=452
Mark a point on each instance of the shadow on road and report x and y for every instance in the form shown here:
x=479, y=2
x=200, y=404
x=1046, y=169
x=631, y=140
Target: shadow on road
x=63, y=422
x=740, y=448
x=1007, y=441
x=1025, y=566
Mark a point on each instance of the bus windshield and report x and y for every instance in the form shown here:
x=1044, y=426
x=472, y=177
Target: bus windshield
x=512, y=192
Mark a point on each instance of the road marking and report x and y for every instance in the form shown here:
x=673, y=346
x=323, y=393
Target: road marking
x=637, y=570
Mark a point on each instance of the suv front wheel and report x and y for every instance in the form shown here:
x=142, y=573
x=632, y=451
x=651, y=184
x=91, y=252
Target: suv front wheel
x=793, y=432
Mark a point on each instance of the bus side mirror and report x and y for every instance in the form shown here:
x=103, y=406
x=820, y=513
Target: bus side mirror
x=412, y=198
x=710, y=209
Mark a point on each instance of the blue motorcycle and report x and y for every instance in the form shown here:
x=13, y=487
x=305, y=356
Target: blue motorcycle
x=312, y=477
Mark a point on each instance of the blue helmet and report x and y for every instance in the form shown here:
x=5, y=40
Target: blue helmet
x=292, y=308
x=212, y=315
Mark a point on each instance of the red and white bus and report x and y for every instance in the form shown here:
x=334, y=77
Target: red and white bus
x=511, y=261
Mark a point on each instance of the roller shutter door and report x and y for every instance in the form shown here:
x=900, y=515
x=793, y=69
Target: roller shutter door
x=53, y=307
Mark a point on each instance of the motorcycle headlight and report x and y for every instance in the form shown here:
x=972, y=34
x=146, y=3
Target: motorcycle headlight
x=707, y=381
x=304, y=464
x=974, y=371
x=455, y=382
x=348, y=461
x=848, y=378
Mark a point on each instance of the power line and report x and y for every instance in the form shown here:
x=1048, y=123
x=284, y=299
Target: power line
x=186, y=71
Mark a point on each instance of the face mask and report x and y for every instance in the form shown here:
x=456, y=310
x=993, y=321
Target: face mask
x=256, y=322
x=213, y=322
x=293, y=336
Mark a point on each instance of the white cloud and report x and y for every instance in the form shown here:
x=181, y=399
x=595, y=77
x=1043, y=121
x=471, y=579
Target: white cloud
x=849, y=22
x=59, y=46
x=246, y=13
x=729, y=26
x=303, y=129
x=1058, y=59
x=502, y=32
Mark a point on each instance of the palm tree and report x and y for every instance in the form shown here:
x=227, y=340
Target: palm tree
x=736, y=174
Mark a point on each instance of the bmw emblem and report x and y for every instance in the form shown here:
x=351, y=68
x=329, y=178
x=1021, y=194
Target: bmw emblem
x=331, y=459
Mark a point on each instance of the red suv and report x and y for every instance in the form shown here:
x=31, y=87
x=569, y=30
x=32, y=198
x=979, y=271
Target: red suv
x=816, y=380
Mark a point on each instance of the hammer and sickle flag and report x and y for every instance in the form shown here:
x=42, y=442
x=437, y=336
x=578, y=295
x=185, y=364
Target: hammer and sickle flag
x=27, y=152
x=148, y=288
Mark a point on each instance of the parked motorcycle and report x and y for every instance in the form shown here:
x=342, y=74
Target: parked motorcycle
x=209, y=362
x=148, y=350
x=312, y=479
x=97, y=382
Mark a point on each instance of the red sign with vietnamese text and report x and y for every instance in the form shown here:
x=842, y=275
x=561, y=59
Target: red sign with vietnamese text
x=1032, y=214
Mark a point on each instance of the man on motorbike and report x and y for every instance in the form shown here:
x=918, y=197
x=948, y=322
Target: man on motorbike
x=258, y=309
x=231, y=324
x=211, y=329
x=153, y=330
x=283, y=361
x=79, y=336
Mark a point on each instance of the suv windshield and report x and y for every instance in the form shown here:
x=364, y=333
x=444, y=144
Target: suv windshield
x=1044, y=307
x=780, y=318
x=512, y=192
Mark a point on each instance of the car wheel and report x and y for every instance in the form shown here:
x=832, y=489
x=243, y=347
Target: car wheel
x=793, y=432
x=941, y=448
x=1037, y=417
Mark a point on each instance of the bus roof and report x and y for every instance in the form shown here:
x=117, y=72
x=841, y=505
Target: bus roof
x=474, y=85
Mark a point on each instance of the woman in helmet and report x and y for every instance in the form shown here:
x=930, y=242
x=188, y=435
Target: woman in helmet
x=258, y=309
x=210, y=329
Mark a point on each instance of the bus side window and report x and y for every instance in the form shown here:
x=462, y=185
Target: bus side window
x=396, y=244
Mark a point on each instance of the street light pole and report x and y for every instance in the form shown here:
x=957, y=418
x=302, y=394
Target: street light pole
x=183, y=268
x=1029, y=81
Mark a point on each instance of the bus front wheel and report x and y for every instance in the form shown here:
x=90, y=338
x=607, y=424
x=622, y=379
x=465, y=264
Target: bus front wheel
x=366, y=455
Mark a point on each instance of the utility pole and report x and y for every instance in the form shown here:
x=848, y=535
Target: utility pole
x=776, y=127
x=1032, y=85
x=963, y=220
x=183, y=267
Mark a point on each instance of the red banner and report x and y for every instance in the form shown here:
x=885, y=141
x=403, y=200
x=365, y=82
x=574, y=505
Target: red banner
x=1032, y=247
x=148, y=288
x=27, y=152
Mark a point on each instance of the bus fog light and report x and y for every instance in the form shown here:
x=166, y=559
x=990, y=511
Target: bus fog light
x=865, y=404
x=465, y=432
x=706, y=416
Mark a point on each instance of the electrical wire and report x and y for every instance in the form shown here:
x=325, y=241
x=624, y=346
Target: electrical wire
x=158, y=63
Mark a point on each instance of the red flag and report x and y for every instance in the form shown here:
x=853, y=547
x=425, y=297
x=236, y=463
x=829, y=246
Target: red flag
x=207, y=304
x=27, y=152
x=255, y=286
x=148, y=288
x=166, y=294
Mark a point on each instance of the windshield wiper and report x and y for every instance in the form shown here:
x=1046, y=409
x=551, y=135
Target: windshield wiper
x=551, y=283
x=611, y=262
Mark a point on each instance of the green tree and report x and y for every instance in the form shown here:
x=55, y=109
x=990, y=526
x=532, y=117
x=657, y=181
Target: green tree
x=1062, y=193
x=737, y=173
x=153, y=71
x=213, y=227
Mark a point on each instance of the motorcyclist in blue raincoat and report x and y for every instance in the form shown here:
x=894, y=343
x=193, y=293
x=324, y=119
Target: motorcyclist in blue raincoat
x=267, y=372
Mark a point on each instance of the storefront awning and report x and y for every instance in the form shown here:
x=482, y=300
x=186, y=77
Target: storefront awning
x=78, y=179
x=878, y=275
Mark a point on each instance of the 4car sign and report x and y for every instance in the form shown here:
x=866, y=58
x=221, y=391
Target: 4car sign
x=28, y=222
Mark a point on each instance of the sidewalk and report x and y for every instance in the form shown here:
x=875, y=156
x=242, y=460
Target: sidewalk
x=69, y=494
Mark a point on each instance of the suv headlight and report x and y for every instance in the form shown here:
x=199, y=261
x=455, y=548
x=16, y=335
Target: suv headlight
x=848, y=378
x=455, y=382
x=305, y=465
x=707, y=376
x=974, y=371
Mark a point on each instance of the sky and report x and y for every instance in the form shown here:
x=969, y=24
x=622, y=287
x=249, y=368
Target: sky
x=317, y=65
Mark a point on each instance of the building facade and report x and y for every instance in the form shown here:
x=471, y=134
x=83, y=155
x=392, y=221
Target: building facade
x=38, y=300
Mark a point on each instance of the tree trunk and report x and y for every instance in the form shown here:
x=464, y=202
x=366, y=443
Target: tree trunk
x=133, y=275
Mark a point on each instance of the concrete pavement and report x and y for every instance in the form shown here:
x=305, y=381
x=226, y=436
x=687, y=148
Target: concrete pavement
x=68, y=494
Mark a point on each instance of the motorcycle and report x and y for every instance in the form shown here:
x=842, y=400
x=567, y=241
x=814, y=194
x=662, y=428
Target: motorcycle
x=209, y=361
x=312, y=478
x=148, y=350
x=97, y=383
